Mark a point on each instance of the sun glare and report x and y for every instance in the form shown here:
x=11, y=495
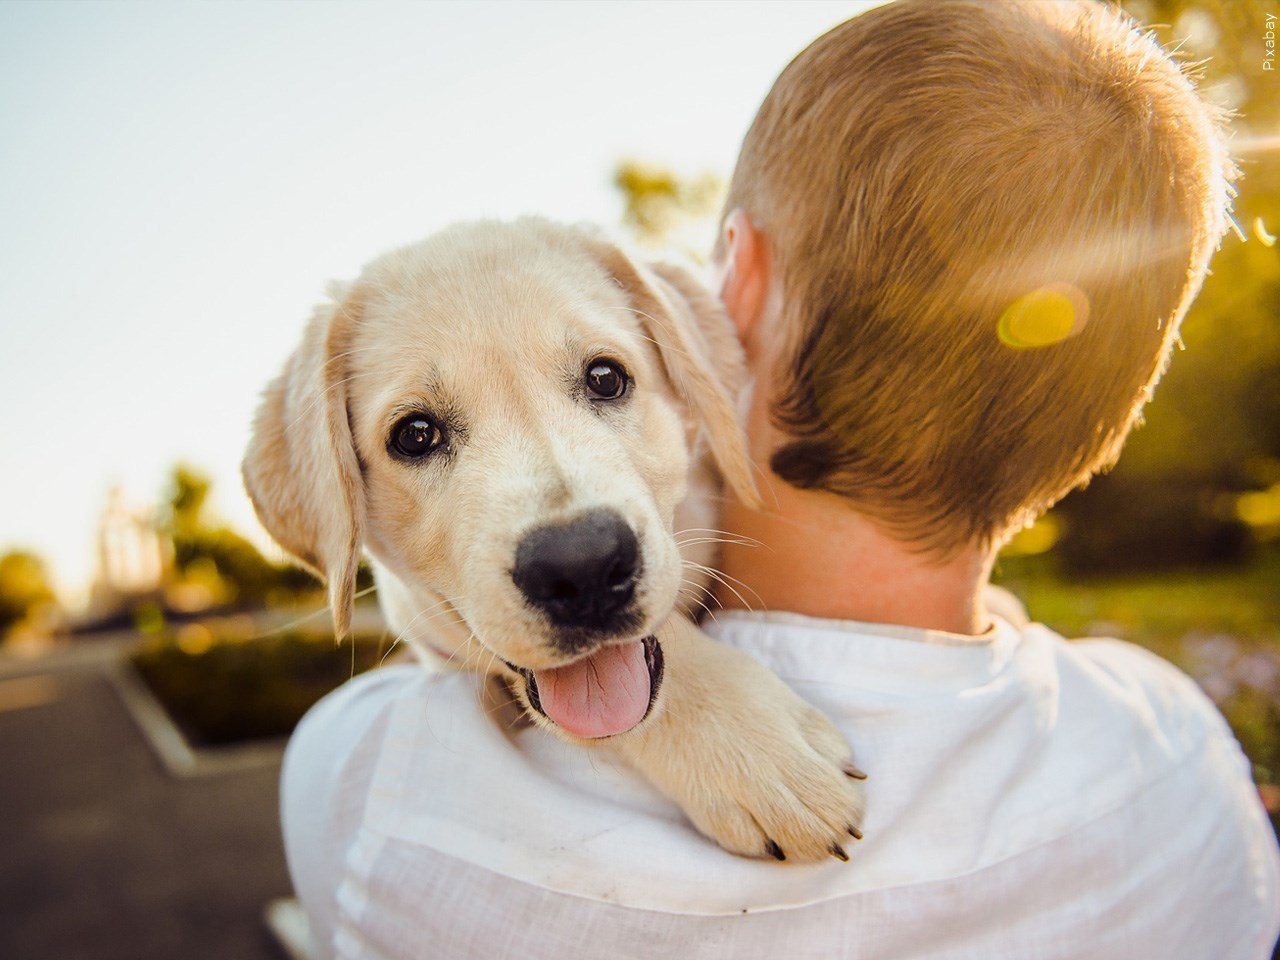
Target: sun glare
x=1265, y=237
x=1043, y=317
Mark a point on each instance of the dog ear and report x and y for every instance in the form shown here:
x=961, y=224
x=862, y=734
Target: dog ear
x=301, y=469
x=699, y=349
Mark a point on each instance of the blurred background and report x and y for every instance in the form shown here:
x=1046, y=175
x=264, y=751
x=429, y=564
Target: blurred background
x=177, y=184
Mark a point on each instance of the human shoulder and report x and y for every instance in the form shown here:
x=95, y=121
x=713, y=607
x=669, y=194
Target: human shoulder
x=354, y=718
x=355, y=705
x=335, y=750
x=1128, y=723
x=1159, y=693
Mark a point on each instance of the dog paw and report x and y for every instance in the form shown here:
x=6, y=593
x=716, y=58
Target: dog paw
x=790, y=793
x=752, y=765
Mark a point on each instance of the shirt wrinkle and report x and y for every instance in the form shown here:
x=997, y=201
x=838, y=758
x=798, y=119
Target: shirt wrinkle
x=1028, y=797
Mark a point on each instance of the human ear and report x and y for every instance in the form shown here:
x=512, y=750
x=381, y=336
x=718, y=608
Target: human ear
x=745, y=287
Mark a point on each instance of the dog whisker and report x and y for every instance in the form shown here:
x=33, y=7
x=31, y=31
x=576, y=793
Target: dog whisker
x=724, y=579
x=701, y=540
x=714, y=530
x=318, y=612
x=702, y=603
x=437, y=610
x=435, y=618
x=702, y=591
x=721, y=536
x=390, y=650
x=714, y=539
x=383, y=649
x=790, y=521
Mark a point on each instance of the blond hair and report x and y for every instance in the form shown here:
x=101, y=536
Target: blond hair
x=988, y=219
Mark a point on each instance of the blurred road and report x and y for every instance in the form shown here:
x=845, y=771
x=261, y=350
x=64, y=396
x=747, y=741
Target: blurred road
x=104, y=856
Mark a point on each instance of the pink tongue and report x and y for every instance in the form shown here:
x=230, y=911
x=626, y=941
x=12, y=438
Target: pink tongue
x=599, y=695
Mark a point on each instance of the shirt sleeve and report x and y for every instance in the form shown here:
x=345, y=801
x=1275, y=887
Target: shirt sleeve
x=1237, y=860
x=328, y=766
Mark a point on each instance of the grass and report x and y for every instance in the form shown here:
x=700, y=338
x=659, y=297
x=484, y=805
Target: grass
x=1157, y=610
x=1222, y=626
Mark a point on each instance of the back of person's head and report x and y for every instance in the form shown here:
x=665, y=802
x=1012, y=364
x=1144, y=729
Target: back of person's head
x=988, y=220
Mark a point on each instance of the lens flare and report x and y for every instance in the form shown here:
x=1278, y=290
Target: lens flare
x=1043, y=317
x=1260, y=231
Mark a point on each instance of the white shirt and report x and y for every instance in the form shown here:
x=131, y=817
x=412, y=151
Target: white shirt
x=1028, y=798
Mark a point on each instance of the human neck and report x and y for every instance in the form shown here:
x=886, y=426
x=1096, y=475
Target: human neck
x=816, y=556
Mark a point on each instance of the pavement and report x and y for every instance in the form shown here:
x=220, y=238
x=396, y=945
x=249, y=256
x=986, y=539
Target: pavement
x=105, y=856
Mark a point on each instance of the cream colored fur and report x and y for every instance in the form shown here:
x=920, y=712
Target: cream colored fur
x=487, y=325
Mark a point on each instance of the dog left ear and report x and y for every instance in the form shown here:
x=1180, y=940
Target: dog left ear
x=700, y=352
x=301, y=469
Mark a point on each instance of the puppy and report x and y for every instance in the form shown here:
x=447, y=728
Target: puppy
x=526, y=430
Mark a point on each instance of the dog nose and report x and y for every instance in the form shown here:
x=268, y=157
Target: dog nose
x=579, y=573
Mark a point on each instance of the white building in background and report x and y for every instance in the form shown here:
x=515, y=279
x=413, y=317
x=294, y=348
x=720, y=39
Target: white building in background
x=133, y=557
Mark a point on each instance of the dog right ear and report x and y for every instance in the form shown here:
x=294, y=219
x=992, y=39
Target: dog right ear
x=702, y=357
x=301, y=469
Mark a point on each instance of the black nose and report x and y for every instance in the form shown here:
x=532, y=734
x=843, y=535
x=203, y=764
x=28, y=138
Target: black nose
x=581, y=573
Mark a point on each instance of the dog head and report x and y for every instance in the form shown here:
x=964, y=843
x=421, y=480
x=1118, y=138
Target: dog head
x=504, y=414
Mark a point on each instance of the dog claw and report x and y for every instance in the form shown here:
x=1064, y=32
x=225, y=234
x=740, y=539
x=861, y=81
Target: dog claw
x=838, y=852
x=773, y=850
x=854, y=773
x=855, y=832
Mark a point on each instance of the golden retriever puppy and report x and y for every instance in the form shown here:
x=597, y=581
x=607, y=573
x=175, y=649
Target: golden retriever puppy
x=526, y=430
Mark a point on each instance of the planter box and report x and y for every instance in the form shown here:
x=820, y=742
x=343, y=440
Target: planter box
x=212, y=704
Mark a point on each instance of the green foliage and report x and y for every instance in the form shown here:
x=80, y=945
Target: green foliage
x=231, y=568
x=1212, y=433
x=659, y=201
x=188, y=492
x=1222, y=627
x=250, y=577
x=1129, y=523
x=1154, y=609
x=223, y=690
x=24, y=586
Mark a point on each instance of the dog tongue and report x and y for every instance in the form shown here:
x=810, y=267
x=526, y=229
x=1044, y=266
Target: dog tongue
x=599, y=695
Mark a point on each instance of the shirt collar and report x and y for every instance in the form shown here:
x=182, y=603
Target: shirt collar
x=881, y=656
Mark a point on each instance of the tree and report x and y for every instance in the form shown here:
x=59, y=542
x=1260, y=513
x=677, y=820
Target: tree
x=24, y=587
x=661, y=205
x=188, y=491
x=204, y=551
x=1212, y=432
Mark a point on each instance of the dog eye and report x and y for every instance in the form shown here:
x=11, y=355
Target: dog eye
x=606, y=380
x=415, y=436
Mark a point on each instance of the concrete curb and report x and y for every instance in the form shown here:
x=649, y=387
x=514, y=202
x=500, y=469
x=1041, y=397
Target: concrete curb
x=175, y=753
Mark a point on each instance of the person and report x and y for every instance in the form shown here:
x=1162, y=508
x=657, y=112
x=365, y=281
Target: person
x=958, y=243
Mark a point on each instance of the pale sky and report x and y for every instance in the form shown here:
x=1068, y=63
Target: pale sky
x=178, y=182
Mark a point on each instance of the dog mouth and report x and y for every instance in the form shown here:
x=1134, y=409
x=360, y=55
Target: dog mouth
x=600, y=695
